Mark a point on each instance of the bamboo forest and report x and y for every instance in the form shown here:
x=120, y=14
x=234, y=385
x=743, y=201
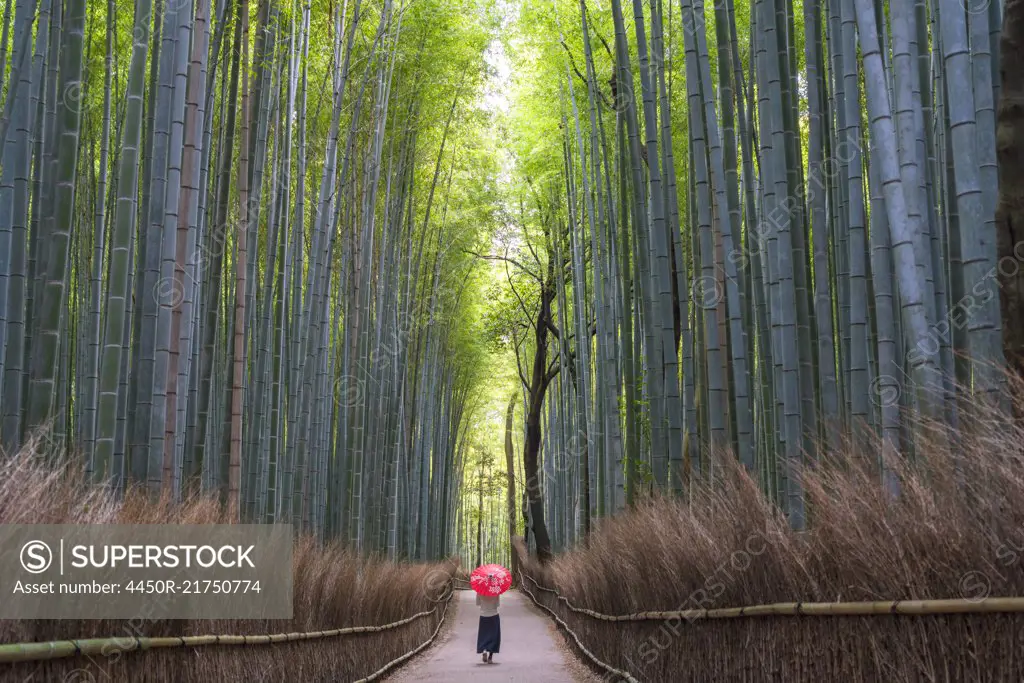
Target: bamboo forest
x=597, y=290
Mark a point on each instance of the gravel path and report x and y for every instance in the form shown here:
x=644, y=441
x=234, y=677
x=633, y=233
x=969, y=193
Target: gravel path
x=532, y=651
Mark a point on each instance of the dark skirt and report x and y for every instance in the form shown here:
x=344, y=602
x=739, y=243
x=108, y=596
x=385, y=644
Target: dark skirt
x=488, y=638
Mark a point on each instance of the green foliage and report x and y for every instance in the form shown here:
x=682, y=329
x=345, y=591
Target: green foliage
x=642, y=468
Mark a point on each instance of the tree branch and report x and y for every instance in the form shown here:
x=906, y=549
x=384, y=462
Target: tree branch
x=552, y=372
x=572, y=61
x=507, y=259
x=522, y=304
x=594, y=28
x=522, y=377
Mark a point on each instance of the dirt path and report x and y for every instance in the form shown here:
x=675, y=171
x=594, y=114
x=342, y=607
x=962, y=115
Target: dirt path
x=532, y=651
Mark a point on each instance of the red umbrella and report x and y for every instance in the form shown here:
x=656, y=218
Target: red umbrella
x=490, y=579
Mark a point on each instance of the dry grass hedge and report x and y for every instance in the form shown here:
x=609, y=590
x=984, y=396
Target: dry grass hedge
x=333, y=588
x=956, y=531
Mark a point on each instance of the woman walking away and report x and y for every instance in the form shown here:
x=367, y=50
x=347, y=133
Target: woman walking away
x=488, y=638
x=489, y=581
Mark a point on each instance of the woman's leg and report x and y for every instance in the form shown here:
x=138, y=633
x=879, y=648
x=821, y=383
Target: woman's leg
x=488, y=637
x=481, y=640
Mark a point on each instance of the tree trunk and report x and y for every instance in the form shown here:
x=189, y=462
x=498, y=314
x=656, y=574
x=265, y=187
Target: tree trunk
x=1010, y=210
x=480, y=517
x=538, y=387
x=234, y=469
x=511, y=493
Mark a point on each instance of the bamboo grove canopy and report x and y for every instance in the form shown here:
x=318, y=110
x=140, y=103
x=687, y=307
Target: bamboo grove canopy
x=305, y=254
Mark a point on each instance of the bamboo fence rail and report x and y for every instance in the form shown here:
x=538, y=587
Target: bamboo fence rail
x=57, y=649
x=815, y=609
x=412, y=653
x=623, y=675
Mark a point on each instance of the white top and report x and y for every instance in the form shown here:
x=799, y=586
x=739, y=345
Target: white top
x=488, y=605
